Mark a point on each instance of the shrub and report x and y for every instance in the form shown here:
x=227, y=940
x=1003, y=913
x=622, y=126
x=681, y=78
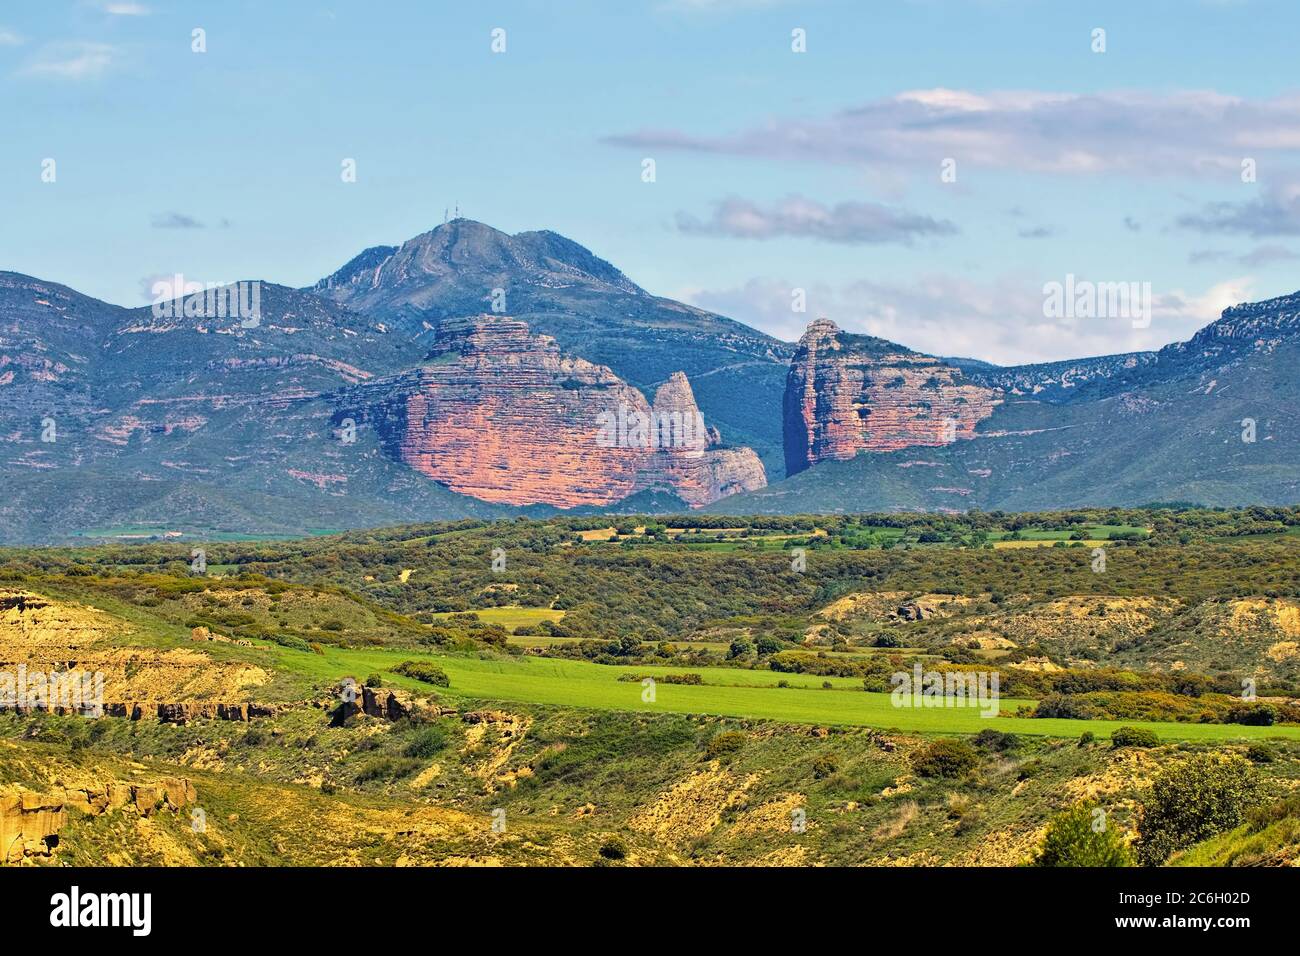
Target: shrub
x=995, y=740
x=427, y=742
x=289, y=641
x=613, y=849
x=1074, y=838
x=662, y=678
x=1255, y=715
x=1065, y=706
x=825, y=765
x=740, y=648
x=1260, y=753
x=727, y=742
x=1192, y=801
x=1265, y=815
x=1086, y=738
x=1133, y=737
x=374, y=680
x=1029, y=769
x=947, y=757
x=386, y=768
x=423, y=671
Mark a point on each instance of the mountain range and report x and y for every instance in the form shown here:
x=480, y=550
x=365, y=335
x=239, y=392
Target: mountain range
x=471, y=373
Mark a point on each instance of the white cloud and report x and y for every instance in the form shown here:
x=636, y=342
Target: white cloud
x=126, y=9
x=999, y=320
x=846, y=222
x=9, y=38
x=1274, y=213
x=72, y=61
x=1201, y=133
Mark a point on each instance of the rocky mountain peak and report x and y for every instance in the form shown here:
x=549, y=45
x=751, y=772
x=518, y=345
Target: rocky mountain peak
x=454, y=268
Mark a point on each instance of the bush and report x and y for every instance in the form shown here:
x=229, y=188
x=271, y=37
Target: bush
x=739, y=648
x=386, y=768
x=727, y=742
x=1074, y=839
x=825, y=765
x=1254, y=715
x=1065, y=706
x=1192, y=801
x=423, y=671
x=995, y=740
x=1086, y=738
x=613, y=849
x=427, y=742
x=947, y=757
x=289, y=641
x=1260, y=753
x=374, y=680
x=1133, y=737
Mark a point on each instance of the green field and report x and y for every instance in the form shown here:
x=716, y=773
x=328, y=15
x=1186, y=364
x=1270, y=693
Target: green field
x=511, y=617
x=727, y=692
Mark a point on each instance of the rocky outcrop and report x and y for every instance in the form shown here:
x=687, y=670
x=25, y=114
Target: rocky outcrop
x=685, y=457
x=30, y=821
x=500, y=414
x=166, y=712
x=847, y=394
x=385, y=704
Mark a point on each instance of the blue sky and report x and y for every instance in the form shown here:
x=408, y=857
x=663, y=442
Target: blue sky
x=775, y=170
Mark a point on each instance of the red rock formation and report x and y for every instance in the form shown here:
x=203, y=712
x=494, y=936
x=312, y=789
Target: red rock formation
x=847, y=394
x=500, y=414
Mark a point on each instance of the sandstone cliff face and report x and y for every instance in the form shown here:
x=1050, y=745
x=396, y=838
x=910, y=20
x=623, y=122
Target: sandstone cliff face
x=847, y=394
x=30, y=821
x=500, y=414
x=40, y=635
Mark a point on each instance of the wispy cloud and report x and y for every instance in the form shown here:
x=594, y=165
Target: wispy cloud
x=176, y=220
x=1037, y=232
x=1145, y=134
x=1275, y=213
x=9, y=38
x=1258, y=257
x=999, y=320
x=124, y=9
x=71, y=61
x=846, y=222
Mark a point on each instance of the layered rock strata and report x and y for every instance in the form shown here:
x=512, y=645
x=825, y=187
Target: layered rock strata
x=500, y=414
x=847, y=394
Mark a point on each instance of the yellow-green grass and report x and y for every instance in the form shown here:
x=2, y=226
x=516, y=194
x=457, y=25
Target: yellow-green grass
x=1050, y=543
x=730, y=692
x=512, y=617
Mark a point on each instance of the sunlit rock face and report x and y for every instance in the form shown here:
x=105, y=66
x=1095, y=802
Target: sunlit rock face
x=501, y=414
x=847, y=394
